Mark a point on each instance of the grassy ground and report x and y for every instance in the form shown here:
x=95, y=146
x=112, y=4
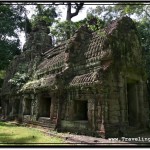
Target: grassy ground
x=16, y=134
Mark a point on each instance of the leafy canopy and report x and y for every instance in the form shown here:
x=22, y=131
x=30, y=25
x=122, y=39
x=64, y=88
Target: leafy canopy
x=10, y=24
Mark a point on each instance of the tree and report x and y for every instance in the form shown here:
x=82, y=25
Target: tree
x=77, y=6
x=65, y=28
x=49, y=15
x=11, y=23
x=140, y=13
x=45, y=13
x=59, y=31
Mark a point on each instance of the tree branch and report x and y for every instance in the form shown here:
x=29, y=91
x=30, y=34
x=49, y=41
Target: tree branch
x=78, y=8
x=146, y=11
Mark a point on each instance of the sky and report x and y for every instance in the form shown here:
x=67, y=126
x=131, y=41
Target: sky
x=80, y=16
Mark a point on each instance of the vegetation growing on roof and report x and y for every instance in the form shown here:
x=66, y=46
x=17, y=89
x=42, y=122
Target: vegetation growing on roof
x=19, y=79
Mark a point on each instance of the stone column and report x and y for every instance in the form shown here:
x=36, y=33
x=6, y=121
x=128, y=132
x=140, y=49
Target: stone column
x=52, y=107
x=70, y=105
x=38, y=96
x=141, y=104
x=91, y=112
x=100, y=114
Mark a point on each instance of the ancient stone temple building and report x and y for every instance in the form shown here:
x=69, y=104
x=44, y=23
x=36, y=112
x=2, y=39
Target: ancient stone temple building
x=94, y=83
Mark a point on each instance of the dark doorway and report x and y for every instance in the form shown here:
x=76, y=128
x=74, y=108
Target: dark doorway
x=9, y=108
x=45, y=104
x=17, y=104
x=27, y=110
x=132, y=104
x=81, y=110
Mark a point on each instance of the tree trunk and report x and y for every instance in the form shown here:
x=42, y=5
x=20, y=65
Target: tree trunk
x=70, y=15
x=68, y=18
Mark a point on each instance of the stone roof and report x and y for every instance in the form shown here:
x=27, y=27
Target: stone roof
x=54, y=60
x=85, y=79
x=48, y=82
x=79, y=59
x=84, y=53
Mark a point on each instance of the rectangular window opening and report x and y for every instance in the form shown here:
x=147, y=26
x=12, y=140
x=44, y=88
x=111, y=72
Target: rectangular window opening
x=81, y=110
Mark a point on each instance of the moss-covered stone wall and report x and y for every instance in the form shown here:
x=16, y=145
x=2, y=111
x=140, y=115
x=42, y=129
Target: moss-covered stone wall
x=94, y=70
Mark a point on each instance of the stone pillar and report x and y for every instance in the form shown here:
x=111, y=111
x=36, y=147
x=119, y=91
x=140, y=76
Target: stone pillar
x=141, y=105
x=66, y=111
x=70, y=105
x=38, y=96
x=91, y=113
x=100, y=115
x=23, y=104
x=52, y=107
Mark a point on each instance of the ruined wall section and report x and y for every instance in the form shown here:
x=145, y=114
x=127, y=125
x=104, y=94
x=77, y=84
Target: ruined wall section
x=89, y=57
x=125, y=45
x=127, y=66
x=23, y=67
x=38, y=41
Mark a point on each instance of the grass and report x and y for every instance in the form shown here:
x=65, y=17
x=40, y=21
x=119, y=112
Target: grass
x=12, y=134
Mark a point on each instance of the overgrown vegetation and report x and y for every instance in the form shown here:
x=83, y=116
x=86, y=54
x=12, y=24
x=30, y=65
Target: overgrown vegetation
x=19, y=79
x=139, y=12
x=15, y=18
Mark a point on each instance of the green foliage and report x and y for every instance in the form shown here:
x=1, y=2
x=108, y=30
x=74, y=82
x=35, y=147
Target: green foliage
x=94, y=23
x=2, y=76
x=144, y=33
x=46, y=13
x=19, y=79
x=11, y=23
x=139, y=12
x=60, y=30
x=11, y=20
x=109, y=12
x=8, y=49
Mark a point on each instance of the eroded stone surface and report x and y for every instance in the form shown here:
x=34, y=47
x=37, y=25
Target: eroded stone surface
x=94, y=83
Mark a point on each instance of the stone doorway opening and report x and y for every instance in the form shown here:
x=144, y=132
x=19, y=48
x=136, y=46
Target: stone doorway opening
x=81, y=110
x=8, y=108
x=17, y=104
x=27, y=110
x=132, y=99
x=45, y=105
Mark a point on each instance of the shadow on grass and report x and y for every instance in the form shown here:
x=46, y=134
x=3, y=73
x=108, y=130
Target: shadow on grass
x=4, y=134
x=6, y=124
x=8, y=139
